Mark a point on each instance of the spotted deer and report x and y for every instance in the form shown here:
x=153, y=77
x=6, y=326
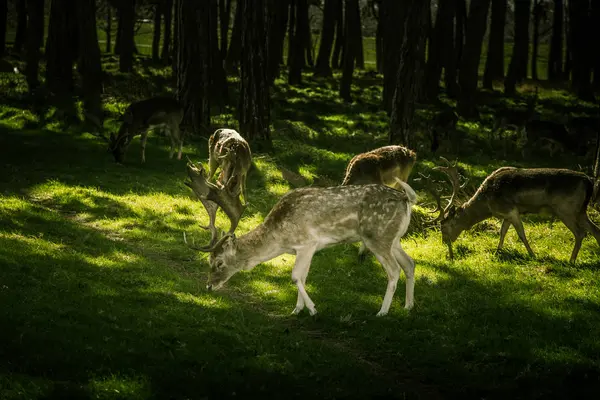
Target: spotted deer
x=509, y=192
x=387, y=165
x=309, y=219
x=144, y=115
x=228, y=150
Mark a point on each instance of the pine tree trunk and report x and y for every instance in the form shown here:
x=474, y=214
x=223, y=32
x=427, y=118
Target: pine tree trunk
x=379, y=42
x=409, y=74
x=21, y=32
x=90, y=67
x=35, y=9
x=291, y=29
x=126, y=42
x=569, y=47
x=469, y=67
x=460, y=31
x=119, y=30
x=235, y=45
x=449, y=62
x=555, y=58
x=193, y=64
x=494, y=65
x=392, y=14
x=176, y=35
x=108, y=30
x=336, y=61
x=537, y=16
x=254, y=87
x=166, y=48
x=323, y=67
x=224, y=17
x=517, y=70
x=303, y=31
x=580, y=30
x=440, y=38
x=350, y=48
x=595, y=37
x=360, y=51
x=61, y=48
x=3, y=26
x=156, y=33
x=297, y=45
x=278, y=10
x=218, y=78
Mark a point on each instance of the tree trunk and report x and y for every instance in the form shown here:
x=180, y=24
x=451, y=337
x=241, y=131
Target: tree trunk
x=176, y=35
x=469, y=67
x=440, y=38
x=218, y=78
x=291, y=30
x=568, y=50
x=224, y=17
x=449, y=62
x=3, y=21
x=21, y=31
x=126, y=42
x=494, y=64
x=156, y=33
x=35, y=9
x=193, y=64
x=555, y=58
x=108, y=31
x=303, y=31
x=517, y=70
x=323, y=67
x=61, y=48
x=360, y=51
x=254, y=87
x=336, y=61
x=119, y=29
x=297, y=45
x=581, y=48
x=235, y=45
x=392, y=14
x=166, y=48
x=538, y=10
x=409, y=72
x=595, y=37
x=350, y=48
x=379, y=40
x=460, y=28
x=90, y=67
x=278, y=10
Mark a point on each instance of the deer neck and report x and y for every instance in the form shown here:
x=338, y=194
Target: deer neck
x=472, y=212
x=258, y=246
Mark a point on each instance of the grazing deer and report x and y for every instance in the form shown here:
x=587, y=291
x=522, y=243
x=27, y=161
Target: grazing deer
x=307, y=220
x=144, y=115
x=382, y=165
x=213, y=196
x=509, y=192
x=230, y=151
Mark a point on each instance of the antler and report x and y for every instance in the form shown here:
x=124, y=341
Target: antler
x=212, y=246
x=452, y=173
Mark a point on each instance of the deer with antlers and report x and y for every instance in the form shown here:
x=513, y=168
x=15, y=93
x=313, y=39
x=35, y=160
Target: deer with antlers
x=509, y=192
x=228, y=150
x=307, y=220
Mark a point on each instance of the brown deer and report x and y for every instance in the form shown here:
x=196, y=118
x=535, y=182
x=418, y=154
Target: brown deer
x=228, y=150
x=382, y=165
x=509, y=192
x=144, y=115
x=307, y=220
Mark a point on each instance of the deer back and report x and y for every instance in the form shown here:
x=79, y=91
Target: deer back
x=228, y=149
x=380, y=166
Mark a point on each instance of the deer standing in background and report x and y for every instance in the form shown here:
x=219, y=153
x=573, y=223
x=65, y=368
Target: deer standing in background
x=228, y=150
x=509, y=192
x=144, y=115
x=307, y=220
x=387, y=165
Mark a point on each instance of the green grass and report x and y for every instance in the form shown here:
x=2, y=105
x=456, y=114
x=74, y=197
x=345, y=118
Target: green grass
x=100, y=297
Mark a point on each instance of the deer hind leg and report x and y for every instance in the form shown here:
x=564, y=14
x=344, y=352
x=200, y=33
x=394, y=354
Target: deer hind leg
x=515, y=220
x=591, y=228
x=299, y=274
x=143, y=142
x=577, y=226
x=363, y=252
x=503, y=230
x=388, y=260
x=408, y=266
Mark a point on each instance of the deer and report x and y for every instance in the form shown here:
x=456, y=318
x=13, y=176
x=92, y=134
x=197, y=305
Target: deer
x=510, y=192
x=144, y=115
x=515, y=118
x=387, y=165
x=443, y=123
x=309, y=219
x=228, y=150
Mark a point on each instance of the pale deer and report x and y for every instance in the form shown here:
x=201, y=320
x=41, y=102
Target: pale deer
x=509, y=192
x=144, y=115
x=381, y=165
x=307, y=220
x=228, y=150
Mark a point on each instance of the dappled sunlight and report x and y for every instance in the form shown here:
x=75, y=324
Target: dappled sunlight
x=120, y=386
x=203, y=300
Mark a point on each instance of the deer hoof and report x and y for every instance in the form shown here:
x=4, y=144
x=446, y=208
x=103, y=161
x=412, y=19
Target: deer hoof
x=312, y=311
x=297, y=310
x=381, y=314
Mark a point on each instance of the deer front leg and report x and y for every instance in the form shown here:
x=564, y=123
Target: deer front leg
x=503, y=230
x=299, y=274
x=243, y=185
x=144, y=138
x=518, y=224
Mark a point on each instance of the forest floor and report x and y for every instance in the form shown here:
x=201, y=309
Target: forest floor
x=100, y=298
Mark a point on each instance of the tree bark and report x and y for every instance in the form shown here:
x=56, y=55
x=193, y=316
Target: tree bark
x=278, y=10
x=595, y=37
x=409, y=75
x=35, y=9
x=469, y=67
x=156, y=33
x=460, y=28
x=517, y=70
x=3, y=21
x=291, y=29
x=21, y=31
x=323, y=67
x=360, y=51
x=126, y=42
x=440, y=38
x=297, y=45
x=494, y=64
x=555, y=58
x=108, y=31
x=449, y=54
x=392, y=15
x=235, y=45
x=176, y=35
x=224, y=17
x=61, y=48
x=168, y=16
x=538, y=11
x=254, y=87
x=303, y=32
x=581, y=48
x=336, y=60
x=350, y=48
x=218, y=78
x=193, y=64
x=378, y=38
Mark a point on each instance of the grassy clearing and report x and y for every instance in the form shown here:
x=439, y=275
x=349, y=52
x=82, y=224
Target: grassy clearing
x=100, y=298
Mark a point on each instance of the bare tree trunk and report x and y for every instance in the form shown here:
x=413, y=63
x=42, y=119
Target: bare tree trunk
x=218, y=79
x=569, y=46
x=297, y=45
x=460, y=28
x=440, y=38
x=336, y=61
x=224, y=17
x=378, y=39
x=581, y=48
x=176, y=35
x=21, y=31
x=469, y=66
x=235, y=45
x=392, y=14
x=555, y=58
x=323, y=67
x=360, y=51
x=61, y=48
x=291, y=30
x=350, y=48
x=409, y=74
x=3, y=21
x=494, y=65
x=254, y=87
x=166, y=49
x=538, y=10
x=448, y=52
x=126, y=42
x=595, y=37
x=108, y=31
x=156, y=33
x=278, y=10
x=35, y=9
x=517, y=70
x=303, y=32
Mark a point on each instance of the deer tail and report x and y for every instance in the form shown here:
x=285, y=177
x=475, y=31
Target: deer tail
x=410, y=193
